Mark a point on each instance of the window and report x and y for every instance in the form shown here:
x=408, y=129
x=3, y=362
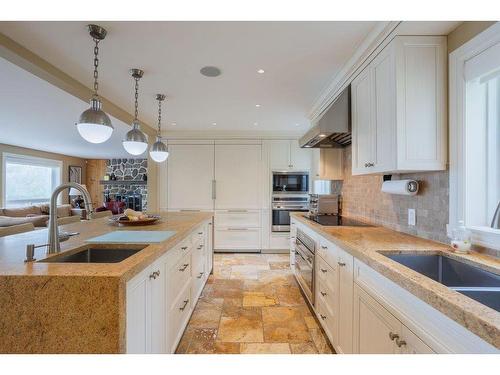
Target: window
x=29, y=180
x=475, y=135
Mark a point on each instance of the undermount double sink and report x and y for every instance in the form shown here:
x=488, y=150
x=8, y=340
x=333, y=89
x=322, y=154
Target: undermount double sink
x=93, y=254
x=474, y=282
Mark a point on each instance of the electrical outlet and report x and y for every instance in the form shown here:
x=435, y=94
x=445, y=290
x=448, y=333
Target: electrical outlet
x=412, y=217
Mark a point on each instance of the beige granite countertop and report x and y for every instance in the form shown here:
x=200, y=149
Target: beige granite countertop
x=69, y=307
x=368, y=244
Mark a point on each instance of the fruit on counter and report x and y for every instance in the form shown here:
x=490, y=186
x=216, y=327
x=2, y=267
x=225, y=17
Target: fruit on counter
x=134, y=215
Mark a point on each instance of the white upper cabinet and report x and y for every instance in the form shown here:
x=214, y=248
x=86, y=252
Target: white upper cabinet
x=327, y=164
x=287, y=155
x=238, y=176
x=190, y=177
x=399, y=108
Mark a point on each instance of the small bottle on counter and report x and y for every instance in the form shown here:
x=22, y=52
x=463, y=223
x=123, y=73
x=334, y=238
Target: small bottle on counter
x=461, y=239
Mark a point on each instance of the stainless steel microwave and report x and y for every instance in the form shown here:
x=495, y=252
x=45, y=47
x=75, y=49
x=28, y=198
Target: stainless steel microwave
x=291, y=182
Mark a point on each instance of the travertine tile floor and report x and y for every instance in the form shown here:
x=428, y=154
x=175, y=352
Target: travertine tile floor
x=252, y=304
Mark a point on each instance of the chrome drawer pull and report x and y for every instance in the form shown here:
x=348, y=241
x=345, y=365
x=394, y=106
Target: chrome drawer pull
x=323, y=294
x=200, y=275
x=323, y=270
x=200, y=247
x=152, y=276
x=393, y=336
x=324, y=247
x=341, y=264
x=184, y=247
x=200, y=233
x=184, y=267
x=185, y=304
x=322, y=316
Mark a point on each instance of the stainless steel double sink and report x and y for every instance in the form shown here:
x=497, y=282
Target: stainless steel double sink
x=474, y=282
x=94, y=254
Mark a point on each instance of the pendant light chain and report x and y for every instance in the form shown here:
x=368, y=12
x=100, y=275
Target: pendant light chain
x=96, y=65
x=159, y=117
x=136, y=97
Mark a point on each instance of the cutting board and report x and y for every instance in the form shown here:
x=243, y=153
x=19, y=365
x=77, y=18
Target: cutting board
x=133, y=236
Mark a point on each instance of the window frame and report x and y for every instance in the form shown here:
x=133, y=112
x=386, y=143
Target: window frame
x=482, y=236
x=7, y=156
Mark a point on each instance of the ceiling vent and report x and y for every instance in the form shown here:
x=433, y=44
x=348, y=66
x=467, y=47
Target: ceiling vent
x=210, y=71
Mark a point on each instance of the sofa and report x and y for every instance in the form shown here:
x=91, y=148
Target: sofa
x=38, y=215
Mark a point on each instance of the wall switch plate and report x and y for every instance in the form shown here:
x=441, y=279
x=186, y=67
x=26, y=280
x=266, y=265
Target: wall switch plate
x=412, y=217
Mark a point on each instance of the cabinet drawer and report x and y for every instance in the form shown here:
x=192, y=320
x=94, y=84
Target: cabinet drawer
x=199, y=235
x=178, y=276
x=238, y=218
x=178, y=316
x=239, y=238
x=179, y=251
x=325, y=273
x=326, y=319
x=326, y=295
x=328, y=251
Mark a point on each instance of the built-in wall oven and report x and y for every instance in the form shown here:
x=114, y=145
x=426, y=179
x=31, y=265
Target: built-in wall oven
x=283, y=204
x=291, y=182
x=304, y=264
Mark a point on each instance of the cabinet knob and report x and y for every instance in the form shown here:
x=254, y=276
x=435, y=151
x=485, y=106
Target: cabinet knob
x=393, y=336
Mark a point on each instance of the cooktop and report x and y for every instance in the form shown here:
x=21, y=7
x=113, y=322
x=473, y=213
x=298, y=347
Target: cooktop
x=336, y=220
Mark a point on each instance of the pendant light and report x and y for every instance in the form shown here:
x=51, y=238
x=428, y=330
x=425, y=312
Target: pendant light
x=136, y=142
x=94, y=125
x=158, y=150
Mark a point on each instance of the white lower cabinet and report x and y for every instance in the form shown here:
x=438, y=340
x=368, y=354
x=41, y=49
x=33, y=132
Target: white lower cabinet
x=364, y=312
x=377, y=331
x=161, y=298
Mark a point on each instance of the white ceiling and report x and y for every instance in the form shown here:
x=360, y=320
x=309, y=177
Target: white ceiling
x=37, y=115
x=299, y=58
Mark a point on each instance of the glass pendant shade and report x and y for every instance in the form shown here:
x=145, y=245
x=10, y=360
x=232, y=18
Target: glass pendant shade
x=94, y=124
x=135, y=142
x=158, y=151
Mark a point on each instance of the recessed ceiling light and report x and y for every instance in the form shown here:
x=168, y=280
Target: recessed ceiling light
x=257, y=105
x=255, y=123
x=210, y=71
x=297, y=124
x=260, y=71
x=214, y=123
x=174, y=123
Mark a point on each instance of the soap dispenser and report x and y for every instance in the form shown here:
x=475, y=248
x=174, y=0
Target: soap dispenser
x=461, y=239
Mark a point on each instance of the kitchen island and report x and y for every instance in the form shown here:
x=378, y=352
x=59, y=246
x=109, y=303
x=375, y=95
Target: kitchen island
x=367, y=302
x=51, y=307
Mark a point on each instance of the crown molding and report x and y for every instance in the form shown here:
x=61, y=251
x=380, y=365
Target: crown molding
x=224, y=134
x=20, y=56
x=381, y=33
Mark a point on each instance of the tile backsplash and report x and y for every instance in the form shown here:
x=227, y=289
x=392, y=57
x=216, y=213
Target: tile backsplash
x=362, y=198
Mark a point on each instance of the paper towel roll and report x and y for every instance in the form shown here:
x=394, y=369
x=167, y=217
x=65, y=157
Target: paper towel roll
x=401, y=187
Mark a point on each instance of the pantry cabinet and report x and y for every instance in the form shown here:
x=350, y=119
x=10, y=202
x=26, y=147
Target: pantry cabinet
x=287, y=155
x=398, y=105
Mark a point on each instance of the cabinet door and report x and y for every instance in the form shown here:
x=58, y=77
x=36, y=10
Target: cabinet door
x=138, y=314
x=384, y=121
x=373, y=325
x=157, y=280
x=279, y=154
x=345, y=301
x=300, y=158
x=190, y=177
x=317, y=169
x=363, y=139
x=238, y=176
x=412, y=344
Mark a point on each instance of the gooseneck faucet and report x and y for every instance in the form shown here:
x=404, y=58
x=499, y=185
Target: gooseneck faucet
x=54, y=245
x=495, y=223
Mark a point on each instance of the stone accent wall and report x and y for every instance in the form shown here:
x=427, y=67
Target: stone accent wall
x=362, y=198
x=130, y=170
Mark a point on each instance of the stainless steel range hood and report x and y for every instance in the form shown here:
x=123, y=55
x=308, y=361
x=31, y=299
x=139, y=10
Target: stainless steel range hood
x=334, y=128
